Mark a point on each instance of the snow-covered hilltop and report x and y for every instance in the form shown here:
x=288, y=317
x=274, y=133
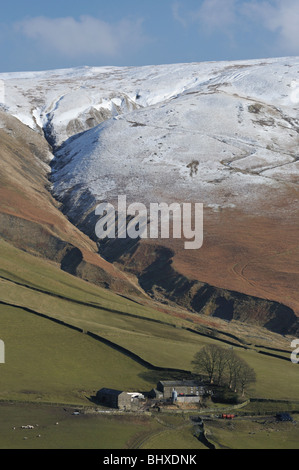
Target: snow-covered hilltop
x=221, y=133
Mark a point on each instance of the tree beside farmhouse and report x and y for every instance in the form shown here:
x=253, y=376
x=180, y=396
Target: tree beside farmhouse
x=223, y=367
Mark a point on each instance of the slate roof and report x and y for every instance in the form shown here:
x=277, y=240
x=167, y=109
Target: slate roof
x=110, y=391
x=180, y=383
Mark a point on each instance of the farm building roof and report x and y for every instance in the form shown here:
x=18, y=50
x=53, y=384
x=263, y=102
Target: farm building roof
x=179, y=383
x=284, y=417
x=110, y=391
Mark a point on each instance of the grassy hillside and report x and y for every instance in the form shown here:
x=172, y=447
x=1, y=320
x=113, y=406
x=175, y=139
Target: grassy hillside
x=48, y=362
x=55, y=363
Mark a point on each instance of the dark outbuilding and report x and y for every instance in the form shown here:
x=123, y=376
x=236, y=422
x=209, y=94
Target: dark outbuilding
x=114, y=399
x=283, y=417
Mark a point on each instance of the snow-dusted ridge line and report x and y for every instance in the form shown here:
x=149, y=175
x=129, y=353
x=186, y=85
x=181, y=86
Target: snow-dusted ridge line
x=136, y=130
x=30, y=95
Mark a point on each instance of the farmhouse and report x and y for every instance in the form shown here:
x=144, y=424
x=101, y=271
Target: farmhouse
x=120, y=400
x=181, y=388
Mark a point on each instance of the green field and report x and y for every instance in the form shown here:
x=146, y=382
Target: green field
x=174, y=439
x=48, y=362
x=57, y=428
x=71, y=432
x=253, y=434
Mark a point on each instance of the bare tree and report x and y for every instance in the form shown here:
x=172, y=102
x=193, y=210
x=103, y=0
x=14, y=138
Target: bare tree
x=233, y=366
x=207, y=361
x=246, y=376
x=220, y=363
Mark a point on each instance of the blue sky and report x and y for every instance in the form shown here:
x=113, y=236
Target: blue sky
x=39, y=34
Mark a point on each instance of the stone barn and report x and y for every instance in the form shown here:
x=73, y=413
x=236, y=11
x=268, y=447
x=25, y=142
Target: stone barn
x=123, y=401
x=114, y=399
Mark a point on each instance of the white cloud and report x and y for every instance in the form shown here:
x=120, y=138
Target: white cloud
x=86, y=36
x=211, y=16
x=215, y=15
x=280, y=16
x=176, y=7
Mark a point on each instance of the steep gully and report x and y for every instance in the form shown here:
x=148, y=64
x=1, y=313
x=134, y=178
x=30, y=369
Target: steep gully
x=152, y=265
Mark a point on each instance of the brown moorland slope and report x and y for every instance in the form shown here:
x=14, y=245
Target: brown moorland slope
x=256, y=255
x=246, y=270
x=30, y=218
